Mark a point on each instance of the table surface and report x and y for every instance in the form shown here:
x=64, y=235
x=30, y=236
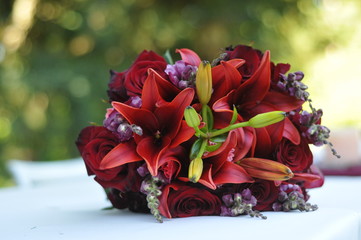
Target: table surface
x=73, y=210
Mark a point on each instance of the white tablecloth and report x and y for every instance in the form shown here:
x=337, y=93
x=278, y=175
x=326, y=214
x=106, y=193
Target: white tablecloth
x=72, y=210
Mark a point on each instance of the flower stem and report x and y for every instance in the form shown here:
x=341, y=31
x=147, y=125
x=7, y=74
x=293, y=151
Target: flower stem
x=227, y=129
x=200, y=133
x=202, y=148
x=204, y=114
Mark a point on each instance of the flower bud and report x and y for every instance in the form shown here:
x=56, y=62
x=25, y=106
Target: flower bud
x=282, y=196
x=195, y=169
x=137, y=130
x=294, y=205
x=191, y=117
x=266, y=169
x=204, y=82
x=265, y=119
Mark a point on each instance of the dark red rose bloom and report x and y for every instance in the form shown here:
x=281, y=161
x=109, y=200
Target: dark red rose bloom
x=296, y=157
x=252, y=56
x=127, y=178
x=178, y=200
x=117, y=198
x=277, y=70
x=265, y=192
x=94, y=143
x=130, y=82
x=135, y=201
x=116, y=90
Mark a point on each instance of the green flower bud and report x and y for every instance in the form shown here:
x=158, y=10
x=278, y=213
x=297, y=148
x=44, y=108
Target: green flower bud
x=265, y=119
x=204, y=82
x=195, y=169
x=191, y=117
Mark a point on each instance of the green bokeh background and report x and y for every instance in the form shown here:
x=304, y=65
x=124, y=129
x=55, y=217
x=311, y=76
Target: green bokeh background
x=54, y=63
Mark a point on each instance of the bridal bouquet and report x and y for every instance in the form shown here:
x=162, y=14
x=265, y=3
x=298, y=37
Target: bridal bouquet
x=191, y=138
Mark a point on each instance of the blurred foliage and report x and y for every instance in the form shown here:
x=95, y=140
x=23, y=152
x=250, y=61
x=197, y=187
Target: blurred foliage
x=54, y=59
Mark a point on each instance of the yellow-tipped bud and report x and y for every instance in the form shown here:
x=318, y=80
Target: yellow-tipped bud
x=195, y=169
x=204, y=82
x=265, y=119
x=266, y=169
x=191, y=117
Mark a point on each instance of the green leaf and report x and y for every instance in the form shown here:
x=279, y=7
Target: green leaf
x=168, y=58
x=234, y=116
x=107, y=208
x=219, y=138
x=211, y=148
x=195, y=149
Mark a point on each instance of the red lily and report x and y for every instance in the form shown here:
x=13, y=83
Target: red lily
x=225, y=77
x=253, y=97
x=161, y=122
x=219, y=166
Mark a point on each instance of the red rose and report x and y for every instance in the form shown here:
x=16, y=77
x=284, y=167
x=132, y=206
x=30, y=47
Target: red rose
x=296, y=157
x=277, y=70
x=134, y=201
x=94, y=143
x=118, y=199
x=179, y=200
x=265, y=192
x=116, y=90
x=130, y=82
x=127, y=178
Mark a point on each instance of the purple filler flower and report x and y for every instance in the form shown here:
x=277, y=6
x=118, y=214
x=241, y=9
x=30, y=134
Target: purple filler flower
x=293, y=85
x=181, y=74
x=115, y=123
x=307, y=119
x=248, y=198
x=317, y=134
x=228, y=200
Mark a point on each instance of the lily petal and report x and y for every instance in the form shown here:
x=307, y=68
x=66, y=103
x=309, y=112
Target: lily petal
x=225, y=103
x=229, y=79
x=123, y=153
x=290, y=132
x=150, y=93
x=283, y=102
x=166, y=89
x=171, y=115
x=206, y=178
x=163, y=207
x=263, y=142
x=306, y=177
x=151, y=154
x=257, y=86
x=218, y=71
x=136, y=116
x=189, y=56
x=185, y=132
x=172, y=155
x=246, y=142
x=231, y=173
